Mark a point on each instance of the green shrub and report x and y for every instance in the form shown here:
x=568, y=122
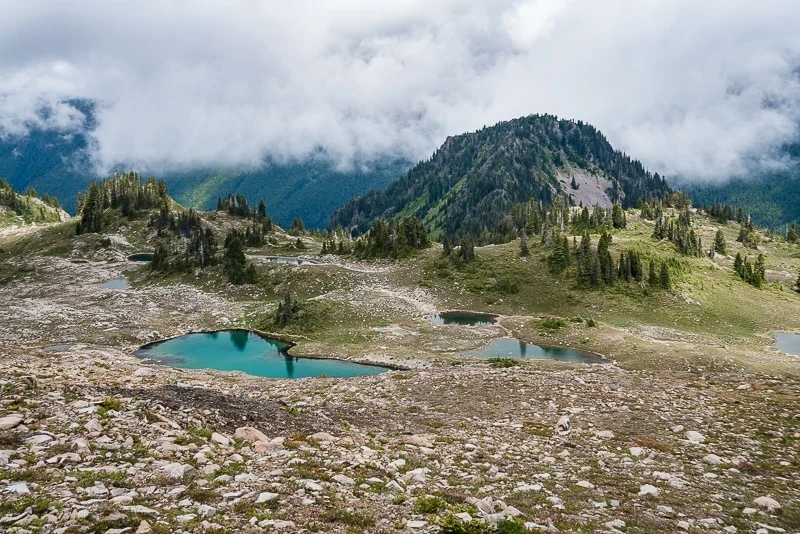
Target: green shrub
x=429, y=505
x=502, y=363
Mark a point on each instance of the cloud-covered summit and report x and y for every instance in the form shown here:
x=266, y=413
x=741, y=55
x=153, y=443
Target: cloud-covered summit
x=699, y=89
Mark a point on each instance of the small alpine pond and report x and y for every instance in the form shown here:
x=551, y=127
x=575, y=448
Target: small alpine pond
x=142, y=256
x=506, y=347
x=115, y=283
x=788, y=343
x=465, y=318
x=246, y=351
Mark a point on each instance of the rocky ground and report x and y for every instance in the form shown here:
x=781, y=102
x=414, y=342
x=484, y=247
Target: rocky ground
x=93, y=441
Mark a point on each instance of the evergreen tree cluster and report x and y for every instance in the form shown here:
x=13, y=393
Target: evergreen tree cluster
x=287, y=311
x=235, y=264
x=186, y=242
x=599, y=219
x=390, y=239
x=752, y=273
x=330, y=246
x=680, y=232
x=724, y=212
x=595, y=266
x=125, y=192
x=748, y=236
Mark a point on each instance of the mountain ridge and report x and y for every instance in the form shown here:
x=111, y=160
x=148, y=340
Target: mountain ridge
x=474, y=179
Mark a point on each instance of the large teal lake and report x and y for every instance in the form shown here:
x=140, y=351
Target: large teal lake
x=241, y=350
x=507, y=347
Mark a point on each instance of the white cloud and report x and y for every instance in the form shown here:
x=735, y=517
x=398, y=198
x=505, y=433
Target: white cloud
x=687, y=87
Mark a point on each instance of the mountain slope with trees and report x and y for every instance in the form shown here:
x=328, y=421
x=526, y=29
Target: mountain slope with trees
x=473, y=180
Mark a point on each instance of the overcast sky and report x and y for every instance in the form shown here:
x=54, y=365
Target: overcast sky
x=697, y=88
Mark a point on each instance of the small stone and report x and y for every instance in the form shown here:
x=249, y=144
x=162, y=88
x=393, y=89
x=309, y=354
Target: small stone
x=648, y=489
x=344, y=480
x=185, y=518
x=266, y=496
x=563, y=425
x=616, y=523
x=749, y=511
x=20, y=488
x=768, y=503
x=313, y=486
x=604, y=434
x=637, y=451
x=93, y=426
x=712, y=459
x=695, y=437
x=684, y=525
x=205, y=510
x=322, y=437
x=585, y=484
x=220, y=439
x=250, y=434
x=176, y=470
x=144, y=528
x=416, y=524
x=144, y=371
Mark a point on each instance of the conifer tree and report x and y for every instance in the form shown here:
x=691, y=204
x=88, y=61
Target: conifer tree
x=792, y=235
x=664, y=279
x=738, y=265
x=719, y=242
x=797, y=283
x=652, y=279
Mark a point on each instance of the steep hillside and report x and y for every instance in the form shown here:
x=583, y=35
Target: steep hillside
x=16, y=209
x=473, y=179
x=58, y=164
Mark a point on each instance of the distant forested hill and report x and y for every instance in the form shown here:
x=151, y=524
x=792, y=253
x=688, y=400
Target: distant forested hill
x=472, y=181
x=59, y=165
x=772, y=198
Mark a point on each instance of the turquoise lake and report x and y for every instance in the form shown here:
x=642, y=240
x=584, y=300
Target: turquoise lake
x=788, y=343
x=463, y=318
x=506, y=347
x=241, y=350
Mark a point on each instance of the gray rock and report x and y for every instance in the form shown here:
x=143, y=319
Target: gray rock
x=695, y=437
x=767, y=503
x=10, y=421
x=205, y=510
x=266, y=496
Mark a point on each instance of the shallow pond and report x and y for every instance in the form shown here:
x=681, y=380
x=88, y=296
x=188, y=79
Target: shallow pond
x=115, y=283
x=58, y=347
x=462, y=318
x=141, y=256
x=506, y=347
x=289, y=261
x=241, y=350
x=788, y=343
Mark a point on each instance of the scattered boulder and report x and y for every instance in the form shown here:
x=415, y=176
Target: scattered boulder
x=767, y=503
x=10, y=421
x=695, y=437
